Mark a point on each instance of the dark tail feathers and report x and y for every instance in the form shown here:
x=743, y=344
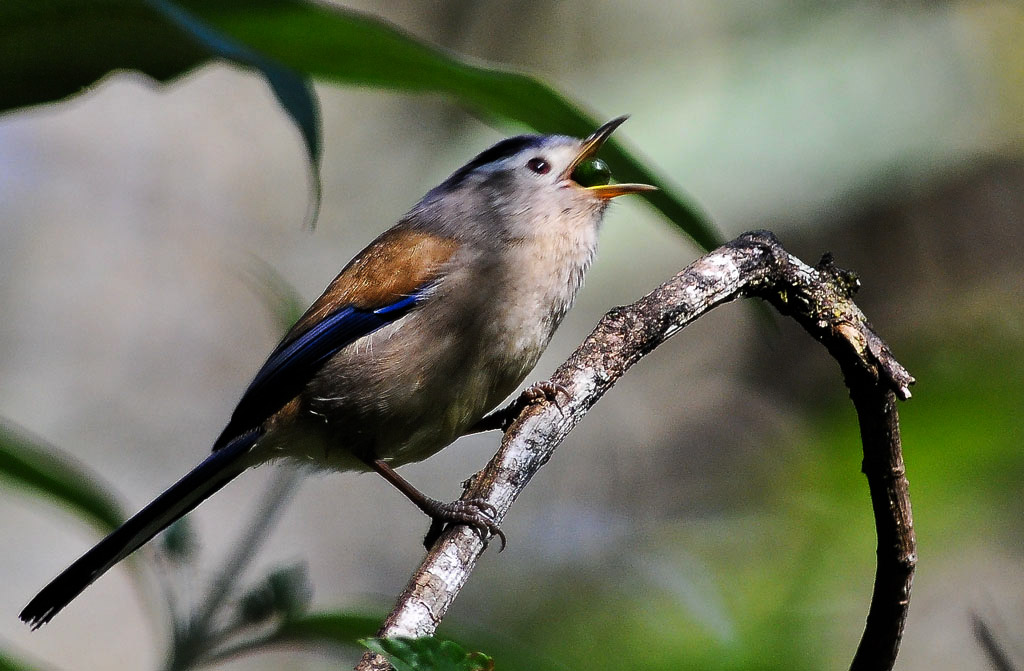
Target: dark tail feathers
x=213, y=473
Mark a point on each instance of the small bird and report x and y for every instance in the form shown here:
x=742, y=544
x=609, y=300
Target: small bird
x=421, y=335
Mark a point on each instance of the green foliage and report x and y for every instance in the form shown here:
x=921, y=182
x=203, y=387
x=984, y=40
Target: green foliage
x=285, y=592
x=8, y=663
x=280, y=298
x=291, y=90
x=428, y=654
x=179, y=542
x=281, y=38
x=44, y=470
x=334, y=628
x=156, y=37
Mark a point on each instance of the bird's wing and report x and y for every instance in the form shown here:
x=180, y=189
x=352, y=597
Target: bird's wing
x=380, y=285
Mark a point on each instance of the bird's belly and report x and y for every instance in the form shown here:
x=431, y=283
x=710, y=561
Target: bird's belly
x=401, y=396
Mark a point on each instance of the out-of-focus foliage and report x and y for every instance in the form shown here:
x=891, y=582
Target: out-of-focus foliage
x=284, y=592
x=428, y=654
x=8, y=663
x=47, y=472
x=283, y=303
x=334, y=628
x=156, y=37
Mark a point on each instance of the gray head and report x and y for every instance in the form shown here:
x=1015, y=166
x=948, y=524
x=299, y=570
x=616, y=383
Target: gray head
x=520, y=186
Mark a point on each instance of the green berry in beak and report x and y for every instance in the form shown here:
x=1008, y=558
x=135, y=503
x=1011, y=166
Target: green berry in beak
x=592, y=172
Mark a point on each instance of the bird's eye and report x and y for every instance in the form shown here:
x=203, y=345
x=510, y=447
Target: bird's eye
x=539, y=166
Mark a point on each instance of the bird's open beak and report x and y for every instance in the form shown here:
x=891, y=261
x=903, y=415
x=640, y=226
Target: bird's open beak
x=590, y=147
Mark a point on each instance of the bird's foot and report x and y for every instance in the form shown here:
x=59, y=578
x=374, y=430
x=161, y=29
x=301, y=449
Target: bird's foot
x=539, y=392
x=545, y=391
x=475, y=513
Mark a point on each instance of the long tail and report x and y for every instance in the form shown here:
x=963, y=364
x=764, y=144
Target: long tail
x=213, y=473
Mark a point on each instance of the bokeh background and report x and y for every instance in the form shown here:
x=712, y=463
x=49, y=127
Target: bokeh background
x=709, y=513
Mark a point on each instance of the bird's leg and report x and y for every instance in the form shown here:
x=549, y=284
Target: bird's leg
x=474, y=513
x=535, y=393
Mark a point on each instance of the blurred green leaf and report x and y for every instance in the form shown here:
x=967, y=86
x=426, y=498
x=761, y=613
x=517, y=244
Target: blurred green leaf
x=338, y=628
x=285, y=591
x=315, y=631
x=291, y=589
x=428, y=654
x=8, y=663
x=179, y=542
x=157, y=37
x=291, y=90
x=95, y=38
x=280, y=298
x=330, y=43
x=30, y=463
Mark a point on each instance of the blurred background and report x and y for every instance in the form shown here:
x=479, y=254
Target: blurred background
x=709, y=513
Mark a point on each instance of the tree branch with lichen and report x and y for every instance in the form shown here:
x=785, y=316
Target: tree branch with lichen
x=753, y=265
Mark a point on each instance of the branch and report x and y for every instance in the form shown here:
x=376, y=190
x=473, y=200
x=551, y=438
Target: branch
x=753, y=265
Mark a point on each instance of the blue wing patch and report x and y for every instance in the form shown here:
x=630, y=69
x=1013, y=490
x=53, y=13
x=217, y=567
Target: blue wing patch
x=295, y=360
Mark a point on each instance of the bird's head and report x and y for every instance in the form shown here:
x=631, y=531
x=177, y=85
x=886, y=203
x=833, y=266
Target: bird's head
x=529, y=184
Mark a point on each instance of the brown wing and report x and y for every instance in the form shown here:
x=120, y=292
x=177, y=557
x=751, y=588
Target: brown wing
x=391, y=267
x=377, y=287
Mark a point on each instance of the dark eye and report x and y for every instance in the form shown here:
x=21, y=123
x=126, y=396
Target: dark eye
x=539, y=166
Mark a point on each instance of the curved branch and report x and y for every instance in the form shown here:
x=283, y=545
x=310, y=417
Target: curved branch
x=755, y=264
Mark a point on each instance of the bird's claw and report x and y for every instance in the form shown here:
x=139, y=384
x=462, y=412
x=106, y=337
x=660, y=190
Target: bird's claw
x=538, y=392
x=545, y=390
x=477, y=514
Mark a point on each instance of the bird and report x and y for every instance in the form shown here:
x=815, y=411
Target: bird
x=419, y=337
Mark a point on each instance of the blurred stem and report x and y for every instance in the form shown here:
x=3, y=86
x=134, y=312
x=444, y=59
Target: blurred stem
x=198, y=634
x=997, y=655
x=240, y=648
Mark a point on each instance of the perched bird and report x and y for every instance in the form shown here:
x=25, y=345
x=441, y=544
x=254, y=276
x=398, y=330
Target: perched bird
x=413, y=343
